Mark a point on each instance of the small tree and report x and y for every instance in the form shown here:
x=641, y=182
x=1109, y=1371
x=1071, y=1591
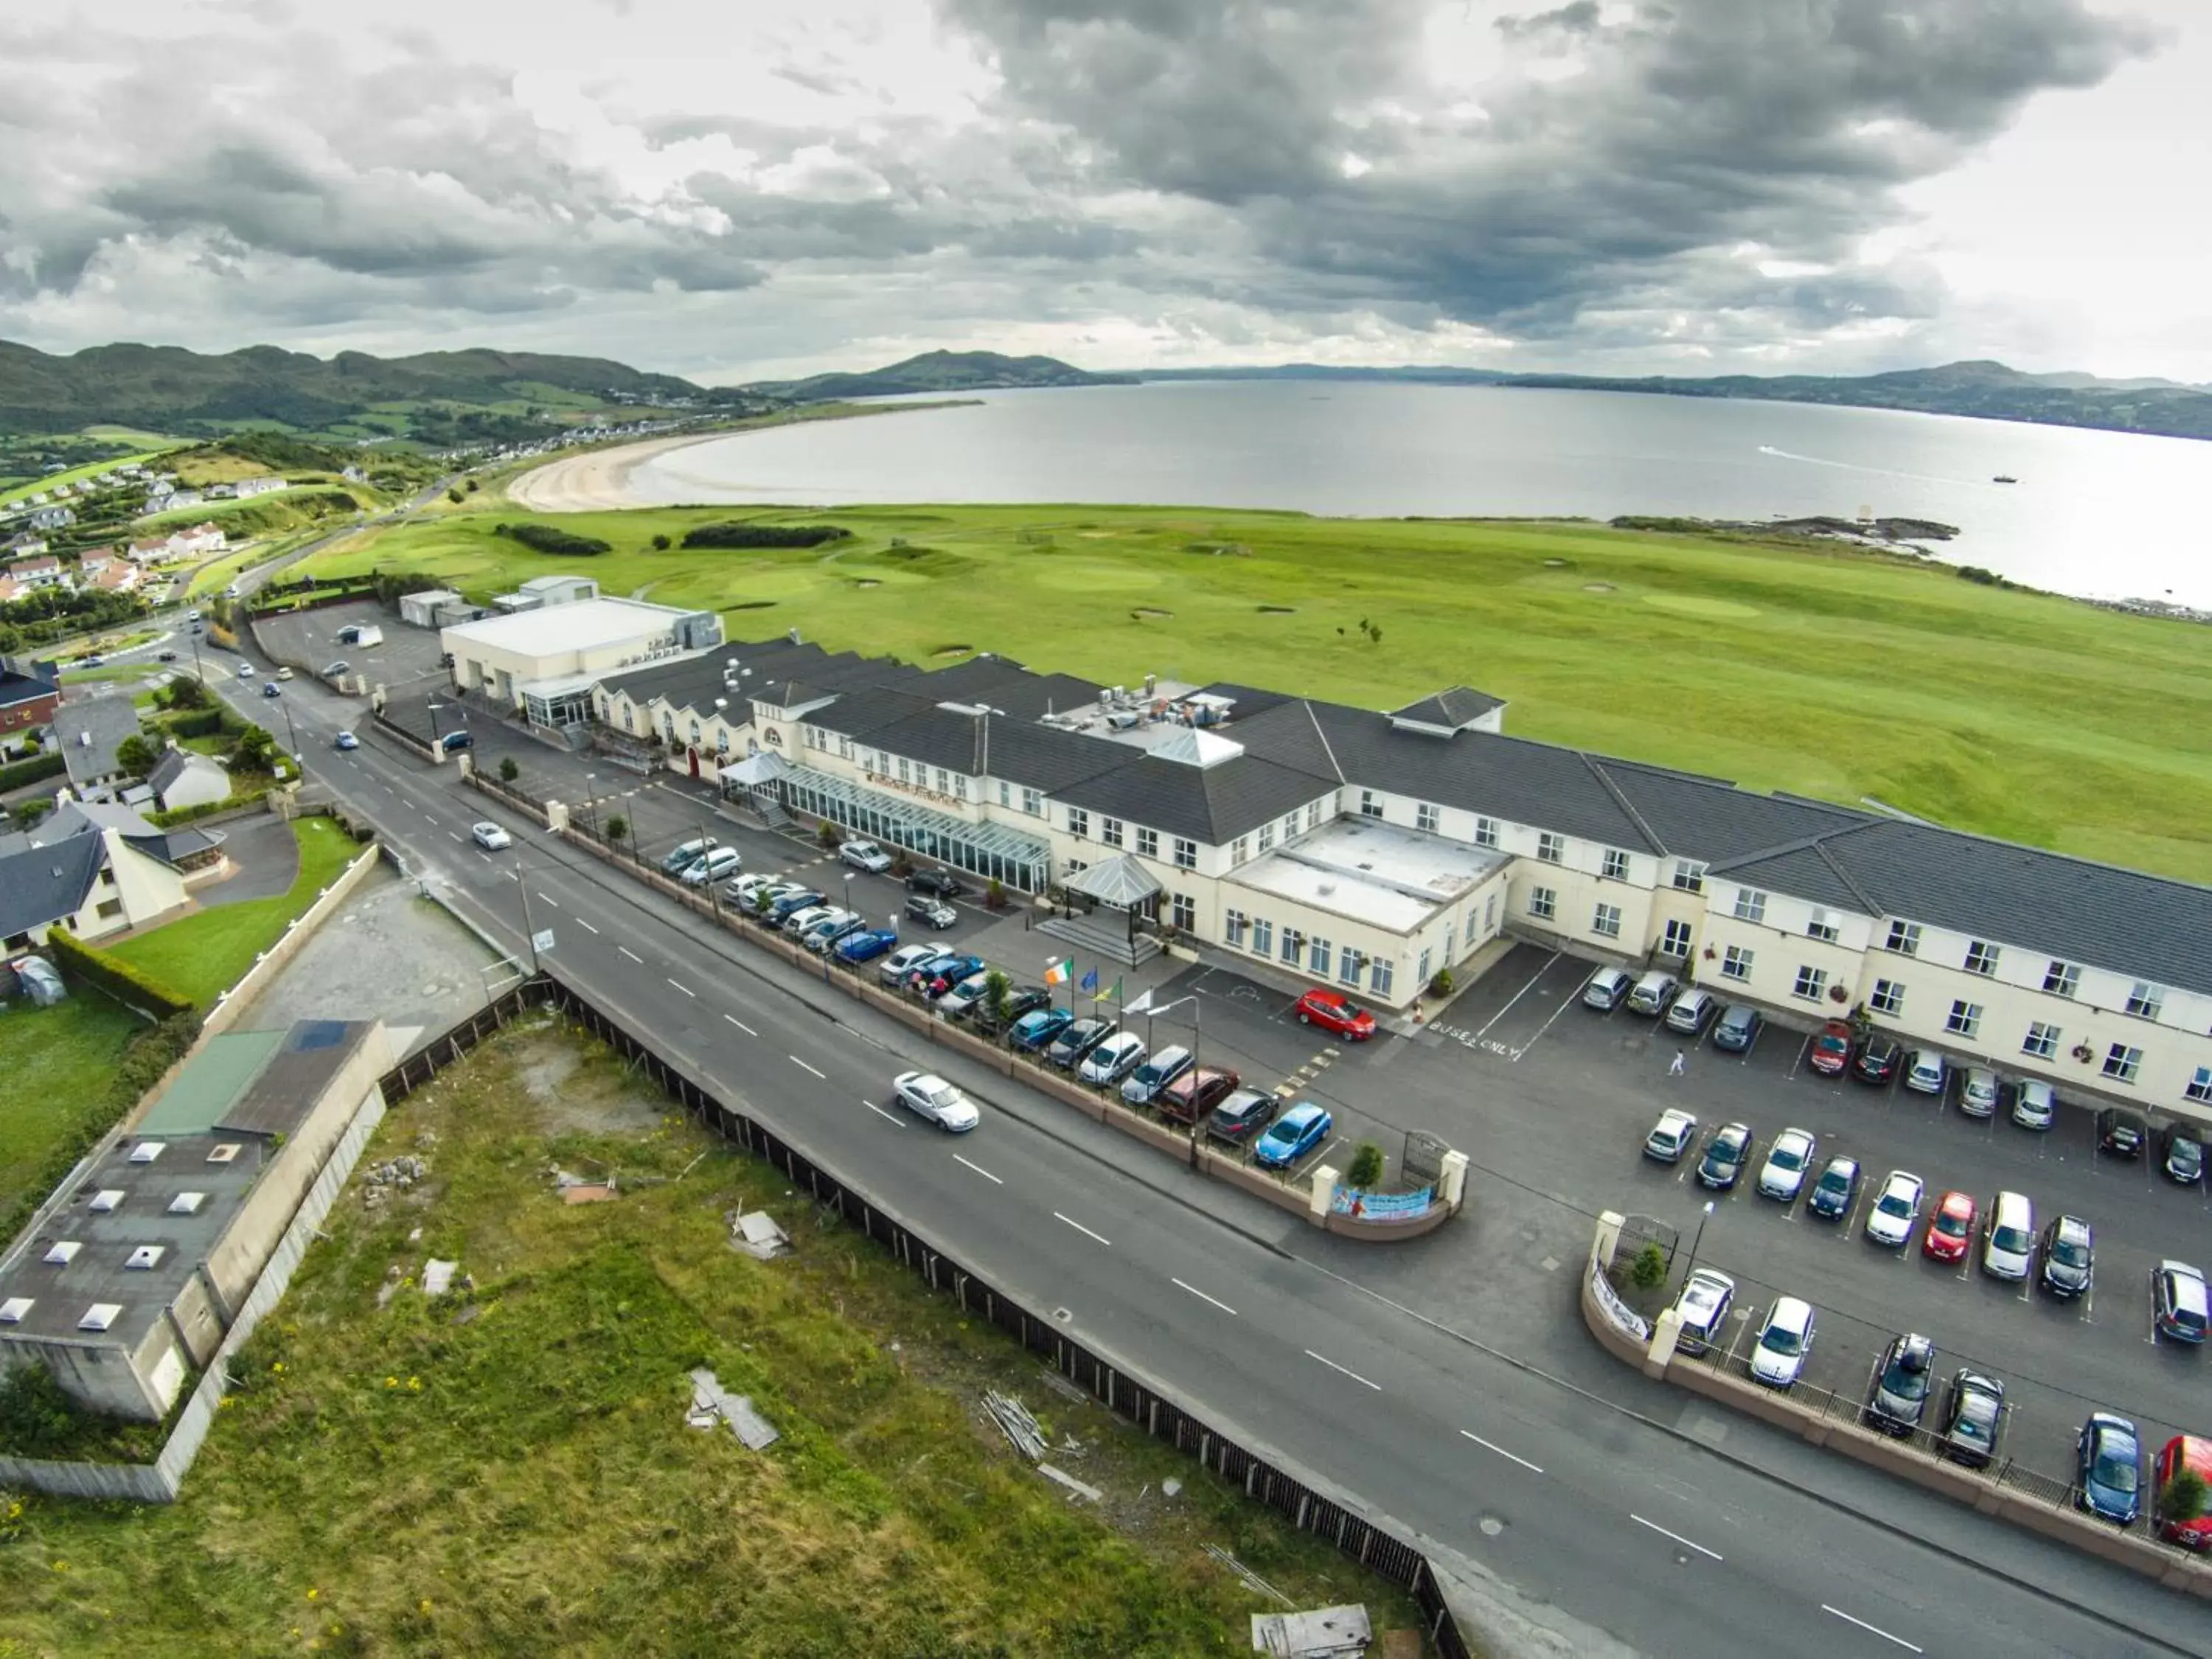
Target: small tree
x=509, y=771
x=995, y=896
x=453, y=495
x=1441, y=985
x=254, y=751
x=617, y=829
x=660, y=544
x=182, y=694
x=1366, y=1167
x=998, y=992
x=473, y=486
x=135, y=756
x=1648, y=1269
x=829, y=835
x=2183, y=1498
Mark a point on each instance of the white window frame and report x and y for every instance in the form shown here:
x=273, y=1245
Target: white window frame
x=1079, y=823
x=1964, y=1018
x=1904, y=938
x=1371, y=803
x=1186, y=854
x=1551, y=848
x=1616, y=865
x=1486, y=832
x=1544, y=903
x=2147, y=1000
x=2199, y=1087
x=2062, y=979
x=1263, y=936
x=1736, y=962
x=1148, y=843
x=1109, y=831
x=1812, y=983
x=1380, y=972
x=1427, y=818
x=1888, y=998
x=1750, y=904
x=2041, y=1040
x=1982, y=958
x=1689, y=875
x=1318, y=957
x=2122, y=1062
x=1821, y=927
x=1351, y=966
x=1605, y=920
x=1677, y=939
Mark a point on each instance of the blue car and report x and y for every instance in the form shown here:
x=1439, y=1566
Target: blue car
x=934, y=979
x=792, y=903
x=1292, y=1136
x=1040, y=1026
x=866, y=944
x=2108, y=1472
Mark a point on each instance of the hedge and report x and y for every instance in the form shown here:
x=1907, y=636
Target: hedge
x=207, y=809
x=764, y=535
x=129, y=987
x=546, y=539
x=197, y=723
x=37, y=769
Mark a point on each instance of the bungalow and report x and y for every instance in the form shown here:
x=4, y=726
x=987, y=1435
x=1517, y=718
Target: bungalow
x=117, y=577
x=26, y=544
x=246, y=488
x=203, y=538
x=185, y=778
x=89, y=733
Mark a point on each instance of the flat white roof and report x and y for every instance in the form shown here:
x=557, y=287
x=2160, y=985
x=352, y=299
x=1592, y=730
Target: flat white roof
x=587, y=625
x=1371, y=872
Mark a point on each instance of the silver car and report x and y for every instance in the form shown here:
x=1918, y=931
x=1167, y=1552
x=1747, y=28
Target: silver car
x=1783, y=1175
x=1890, y=1220
x=1703, y=1310
x=1977, y=1091
x=1777, y=1359
x=932, y=1097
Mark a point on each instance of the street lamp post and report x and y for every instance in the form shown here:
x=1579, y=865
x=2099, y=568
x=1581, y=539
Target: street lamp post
x=592, y=802
x=1197, y=1034
x=1698, y=1239
x=434, y=707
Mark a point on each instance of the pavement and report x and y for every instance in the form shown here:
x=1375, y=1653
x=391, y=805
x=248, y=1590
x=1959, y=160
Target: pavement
x=1448, y=1381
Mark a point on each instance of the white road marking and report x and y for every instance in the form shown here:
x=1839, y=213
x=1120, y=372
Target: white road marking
x=979, y=1170
x=1333, y=1366
x=1084, y=1231
x=547, y=899
x=586, y=925
x=1203, y=1296
x=898, y=1122
x=1502, y=1452
x=631, y=954
x=1676, y=1536
x=1876, y=1630
x=741, y=1025
x=686, y=989
x=1543, y=968
x=450, y=836
x=801, y=1064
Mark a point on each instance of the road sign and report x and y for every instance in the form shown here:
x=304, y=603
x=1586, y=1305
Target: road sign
x=542, y=940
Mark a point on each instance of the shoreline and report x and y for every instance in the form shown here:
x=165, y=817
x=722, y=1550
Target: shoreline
x=596, y=481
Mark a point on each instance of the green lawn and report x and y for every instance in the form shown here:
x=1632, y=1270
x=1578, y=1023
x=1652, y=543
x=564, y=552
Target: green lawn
x=1822, y=672
x=394, y=1480
x=58, y=1062
x=204, y=954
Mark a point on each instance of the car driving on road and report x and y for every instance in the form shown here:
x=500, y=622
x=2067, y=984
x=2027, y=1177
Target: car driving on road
x=1890, y=1221
x=1777, y=1358
x=1783, y=1175
x=489, y=836
x=1292, y=1136
x=929, y=1096
x=345, y=740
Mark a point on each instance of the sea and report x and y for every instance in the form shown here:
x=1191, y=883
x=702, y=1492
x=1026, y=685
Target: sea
x=2095, y=514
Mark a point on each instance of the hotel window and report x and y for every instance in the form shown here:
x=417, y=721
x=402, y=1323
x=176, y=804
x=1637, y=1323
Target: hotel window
x=1426, y=817
x=1606, y=920
x=1422, y=971
x=1350, y=966
x=903, y=777
x=1675, y=942
x=1266, y=837
x=1294, y=946
x=1811, y=982
x=1486, y=832
x=695, y=731
x=2121, y=1061
x=1240, y=849
x=1109, y=831
x=1182, y=912
x=1550, y=847
x=1079, y=823
x=1616, y=865
x=944, y=782
x=1233, y=924
x=1689, y=875
x=2200, y=1086
x=1981, y=958
x=1903, y=938
x=1543, y=903
x=2061, y=978
x=1371, y=803
x=1820, y=927
x=1888, y=998
x=1736, y=963
x=2042, y=1040
x=845, y=751
x=960, y=786
x=1964, y=1018
x=1378, y=977
x=1313, y=815
x=1005, y=792
x=2145, y=1001
x=1290, y=825
x=1032, y=803
x=1263, y=936
x=1186, y=854
x=1317, y=956
x=1750, y=904
x=1148, y=843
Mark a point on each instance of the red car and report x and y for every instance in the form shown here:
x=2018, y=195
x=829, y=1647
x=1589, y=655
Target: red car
x=1333, y=1012
x=1950, y=1229
x=1831, y=1048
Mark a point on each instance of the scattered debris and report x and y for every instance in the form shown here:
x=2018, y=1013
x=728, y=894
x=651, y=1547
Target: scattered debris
x=1016, y=1423
x=1252, y=1580
x=1324, y=1633
x=437, y=1276
x=1079, y=1488
x=1060, y=1384
x=379, y=1181
x=1171, y=1487
x=710, y=1406
x=757, y=1234
x=468, y=1313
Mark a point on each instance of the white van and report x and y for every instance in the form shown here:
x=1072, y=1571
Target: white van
x=2010, y=1250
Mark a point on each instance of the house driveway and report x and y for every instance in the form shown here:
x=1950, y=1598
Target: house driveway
x=264, y=861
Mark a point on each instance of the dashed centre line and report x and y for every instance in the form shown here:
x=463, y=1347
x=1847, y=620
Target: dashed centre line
x=631, y=954
x=686, y=989
x=547, y=899
x=1084, y=1231
x=892, y=1118
x=1876, y=1630
x=1203, y=1296
x=586, y=925
x=1685, y=1542
x=741, y=1025
x=1501, y=1451
x=801, y=1064
x=1353, y=1375
x=979, y=1170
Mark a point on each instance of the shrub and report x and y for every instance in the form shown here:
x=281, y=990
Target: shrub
x=1648, y=1268
x=37, y=1418
x=36, y=769
x=182, y=693
x=764, y=535
x=995, y=896
x=207, y=809
x=473, y=486
x=200, y=723
x=617, y=829
x=828, y=836
x=660, y=544
x=546, y=539
x=31, y=812
x=509, y=771
x=998, y=989
x=135, y=754
x=127, y=984
x=2183, y=1496
x=1441, y=985
x=1366, y=1167
x=453, y=495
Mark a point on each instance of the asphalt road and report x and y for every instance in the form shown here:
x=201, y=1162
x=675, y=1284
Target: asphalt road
x=1610, y=1510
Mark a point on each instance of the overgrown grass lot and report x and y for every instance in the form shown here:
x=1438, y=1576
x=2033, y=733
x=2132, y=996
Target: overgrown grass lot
x=203, y=954
x=507, y=1470
x=58, y=1063
x=1827, y=672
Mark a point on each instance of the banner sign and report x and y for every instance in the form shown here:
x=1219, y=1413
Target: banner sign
x=1623, y=1317
x=1382, y=1206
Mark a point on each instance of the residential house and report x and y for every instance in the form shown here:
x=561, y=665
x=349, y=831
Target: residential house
x=203, y=537
x=90, y=883
x=195, y=853
x=28, y=701
x=53, y=517
x=93, y=561
x=246, y=488
x=10, y=589
x=118, y=577
x=88, y=733
x=184, y=777
x=45, y=571
x=26, y=545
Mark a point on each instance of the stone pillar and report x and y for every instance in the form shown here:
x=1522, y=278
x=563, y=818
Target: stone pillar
x=1608, y=1235
x=1323, y=1189
x=1452, y=1185
x=557, y=816
x=464, y=758
x=1665, y=1331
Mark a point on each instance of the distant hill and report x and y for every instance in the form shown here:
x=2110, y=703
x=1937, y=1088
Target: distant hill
x=939, y=371
x=168, y=389
x=1988, y=389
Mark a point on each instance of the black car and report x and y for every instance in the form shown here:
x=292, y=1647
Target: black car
x=2069, y=1256
x=1238, y=1119
x=938, y=883
x=1067, y=1049
x=2185, y=1157
x=1974, y=1419
x=930, y=910
x=1020, y=999
x=1877, y=1059
x=2121, y=1133
x=1833, y=1192
x=1897, y=1395
x=1726, y=1154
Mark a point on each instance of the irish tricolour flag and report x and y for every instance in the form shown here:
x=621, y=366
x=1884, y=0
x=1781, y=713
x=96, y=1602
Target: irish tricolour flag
x=1055, y=973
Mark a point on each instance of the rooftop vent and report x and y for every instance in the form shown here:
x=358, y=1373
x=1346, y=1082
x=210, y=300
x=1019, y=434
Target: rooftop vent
x=17, y=1309
x=99, y=1315
x=146, y=1255
x=187, y=1203
x=147, y=1150
x=226, y=1153
x=61, y=1255
x=106, y=1200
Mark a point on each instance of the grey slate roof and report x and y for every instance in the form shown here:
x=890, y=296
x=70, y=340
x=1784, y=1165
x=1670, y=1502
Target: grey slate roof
x=1454, y=708
x=106, y=721
x=1214, y=804
x=42, y=884
x=20, y=688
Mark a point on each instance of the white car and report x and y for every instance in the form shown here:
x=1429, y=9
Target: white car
x=347, y=740
x=803, y=918
x=489, y=836
x=933, y=1097
x=1891, y=1219
x=1778, y=1358
x=720, y=861
x=866, y=856
x=2034, y=1105
x=1113, y=1059
x=246, y=671
x=956, y=1002
x=1674, y=1134
x=741, y=890
x=1783, y=1173
x=904, y=960
x=1977, y=1091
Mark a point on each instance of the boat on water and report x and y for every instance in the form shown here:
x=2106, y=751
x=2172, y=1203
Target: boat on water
x=2004, y=478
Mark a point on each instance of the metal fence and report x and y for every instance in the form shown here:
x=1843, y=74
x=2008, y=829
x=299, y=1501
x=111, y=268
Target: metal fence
x=1373, y=1547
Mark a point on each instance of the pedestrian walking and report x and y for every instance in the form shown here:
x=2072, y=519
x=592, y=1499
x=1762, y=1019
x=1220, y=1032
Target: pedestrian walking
x=1681, y=1063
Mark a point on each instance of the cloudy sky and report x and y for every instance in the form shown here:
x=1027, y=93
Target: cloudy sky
x=735, y=191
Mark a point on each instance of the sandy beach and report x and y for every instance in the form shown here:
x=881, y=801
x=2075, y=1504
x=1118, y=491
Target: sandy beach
x=595, y=481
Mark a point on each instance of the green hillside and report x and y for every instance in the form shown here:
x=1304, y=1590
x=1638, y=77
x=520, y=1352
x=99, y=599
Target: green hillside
x=939, y=371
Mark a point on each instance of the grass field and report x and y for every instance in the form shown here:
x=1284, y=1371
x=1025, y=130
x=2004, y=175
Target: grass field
x=1827, y=672
x=204, y=954
x=58, y=1062
x=399, y=1480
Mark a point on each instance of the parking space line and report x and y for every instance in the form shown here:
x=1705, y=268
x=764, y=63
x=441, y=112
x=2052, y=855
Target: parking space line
x=741, y=1025
x=1501, y=1451
x=1875, y=1630
x=801, y=1064
x=979, y=1170
x=1518, y=995
x=1685, y=1542
x=1084, y=1231
x=1333, y=1366
x=1203, y=1296
x=1573, y=997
